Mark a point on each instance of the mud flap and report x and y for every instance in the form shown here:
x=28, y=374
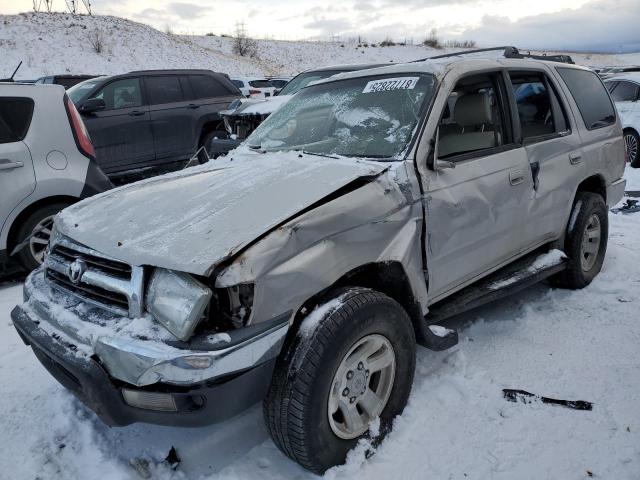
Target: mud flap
x=436, y=337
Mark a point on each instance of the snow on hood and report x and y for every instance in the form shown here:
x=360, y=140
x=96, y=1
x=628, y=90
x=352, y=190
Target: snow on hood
x=259, y=106
x=193, y=220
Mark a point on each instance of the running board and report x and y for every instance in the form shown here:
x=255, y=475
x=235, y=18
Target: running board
x=511, y=279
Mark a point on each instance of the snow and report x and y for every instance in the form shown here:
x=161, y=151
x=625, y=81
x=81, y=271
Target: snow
x=267, y=105
x=633, y=179
x=311, y=323
x=58, y=43
x=440, y=331
x=562, y=344
x=542, y=262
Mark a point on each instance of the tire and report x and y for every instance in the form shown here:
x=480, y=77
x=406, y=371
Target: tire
x=307, y=377
x=31, y=256
x=632, y=146
x=208, y=138
x=584, y=255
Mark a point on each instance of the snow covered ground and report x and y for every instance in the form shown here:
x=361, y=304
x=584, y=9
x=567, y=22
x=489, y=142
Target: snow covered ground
x=59, y=43
x=580, y=345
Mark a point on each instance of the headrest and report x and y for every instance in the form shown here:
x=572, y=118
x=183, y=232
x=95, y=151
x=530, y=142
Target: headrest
x=473, y=109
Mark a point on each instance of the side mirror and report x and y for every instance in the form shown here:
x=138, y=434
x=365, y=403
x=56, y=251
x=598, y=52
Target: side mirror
x=433, y=163
x=93, y=105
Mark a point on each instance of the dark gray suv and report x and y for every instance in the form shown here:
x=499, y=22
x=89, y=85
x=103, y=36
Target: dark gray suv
x=148, y=122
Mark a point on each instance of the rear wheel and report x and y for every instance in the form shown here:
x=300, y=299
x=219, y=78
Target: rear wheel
x=632, y=144
x=351, y=362
x=206, y=142
x=38, y=226
x=585, y=242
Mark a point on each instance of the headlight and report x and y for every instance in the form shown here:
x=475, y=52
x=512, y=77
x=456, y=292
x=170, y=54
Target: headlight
x=177, y=301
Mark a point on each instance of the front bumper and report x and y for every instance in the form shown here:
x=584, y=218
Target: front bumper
x=196, y=405
x=209, y=378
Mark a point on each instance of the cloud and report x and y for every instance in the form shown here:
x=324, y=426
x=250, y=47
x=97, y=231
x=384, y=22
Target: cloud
x=330, y=26
x=602, y=25
x=186, y=10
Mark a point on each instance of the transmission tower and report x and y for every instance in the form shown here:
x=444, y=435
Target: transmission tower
x=37, y=5
x=75, y=6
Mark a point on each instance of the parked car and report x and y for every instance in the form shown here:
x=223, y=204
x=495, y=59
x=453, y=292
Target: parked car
x=46, y=164
x=609, y=72
x=67, y=81
x=279, y=82
x=625, y=92
x=244, y=116
x=254, y=87
x=149, y=122
x=303, y=270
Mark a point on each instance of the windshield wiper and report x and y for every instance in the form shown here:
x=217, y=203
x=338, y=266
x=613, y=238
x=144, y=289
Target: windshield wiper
x=326, y=155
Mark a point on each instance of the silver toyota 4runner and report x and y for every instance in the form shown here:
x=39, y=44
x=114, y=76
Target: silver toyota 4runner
x=303, y=269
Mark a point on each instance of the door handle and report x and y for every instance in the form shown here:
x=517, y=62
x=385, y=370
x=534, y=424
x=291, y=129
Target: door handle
x=516, y=177
x=193, y=106
x=136, y=113
x=575, y=158
x=6, y=164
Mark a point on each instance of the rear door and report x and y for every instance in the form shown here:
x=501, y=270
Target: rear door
x=121, y=132
x=172, y=117
x=553, y=148
x=476, y=211
x=17, y=177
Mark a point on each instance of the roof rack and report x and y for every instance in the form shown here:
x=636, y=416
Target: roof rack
x=509, y=52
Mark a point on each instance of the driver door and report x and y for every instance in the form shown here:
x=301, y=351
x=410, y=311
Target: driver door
x=475, y=212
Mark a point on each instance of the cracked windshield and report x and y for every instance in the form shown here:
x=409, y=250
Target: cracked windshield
x=370, y=117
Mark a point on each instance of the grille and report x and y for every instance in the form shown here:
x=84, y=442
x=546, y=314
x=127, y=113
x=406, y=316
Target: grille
x=103, y=281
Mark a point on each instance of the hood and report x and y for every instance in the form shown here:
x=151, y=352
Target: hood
x=255, y=106
x=193, y=220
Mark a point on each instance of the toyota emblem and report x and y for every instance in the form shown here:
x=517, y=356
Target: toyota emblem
x=76, y=270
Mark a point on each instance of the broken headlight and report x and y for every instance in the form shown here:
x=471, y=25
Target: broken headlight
x=177, y=301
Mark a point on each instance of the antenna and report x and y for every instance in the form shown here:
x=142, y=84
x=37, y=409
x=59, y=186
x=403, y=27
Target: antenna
x=10, y=79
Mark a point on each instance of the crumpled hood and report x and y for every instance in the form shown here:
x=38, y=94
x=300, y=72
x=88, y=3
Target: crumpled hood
x=260, y=106
x=192, y=220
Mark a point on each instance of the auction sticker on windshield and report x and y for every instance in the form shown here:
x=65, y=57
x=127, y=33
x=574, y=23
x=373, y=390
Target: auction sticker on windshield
x=388, y=84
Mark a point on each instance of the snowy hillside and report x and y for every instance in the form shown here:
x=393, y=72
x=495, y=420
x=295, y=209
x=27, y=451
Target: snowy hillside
x=59, y=43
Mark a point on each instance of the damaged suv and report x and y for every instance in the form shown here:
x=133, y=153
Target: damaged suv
x=303, y=269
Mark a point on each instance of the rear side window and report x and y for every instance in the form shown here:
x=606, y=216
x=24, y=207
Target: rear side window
x=238, y=83
x=594, y=103
x=261, y=84
x=625, y=92
x=539, y=109
x=163, y=89
x=15, y=118
x=205, y=86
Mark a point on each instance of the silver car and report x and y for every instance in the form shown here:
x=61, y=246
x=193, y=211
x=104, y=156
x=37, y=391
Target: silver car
x=302, y=269
x=46, y=164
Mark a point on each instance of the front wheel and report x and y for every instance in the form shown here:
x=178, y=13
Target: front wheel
x=585, y=242
x=351, y=362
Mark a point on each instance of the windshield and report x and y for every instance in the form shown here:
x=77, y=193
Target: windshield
x=372, y=117
x=79, y=91
x=304, y=79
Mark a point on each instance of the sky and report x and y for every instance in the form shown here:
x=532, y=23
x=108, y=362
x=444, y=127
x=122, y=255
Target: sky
x=588, y=25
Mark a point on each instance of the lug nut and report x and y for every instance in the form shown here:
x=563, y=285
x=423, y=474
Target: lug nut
x=360, y=366
x=345, y=392
x=367, y=373
x=352, y=399
x=349, y=375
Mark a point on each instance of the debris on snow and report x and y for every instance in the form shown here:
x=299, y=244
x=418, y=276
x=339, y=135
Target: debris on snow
x=173, y=460
x=526, y=397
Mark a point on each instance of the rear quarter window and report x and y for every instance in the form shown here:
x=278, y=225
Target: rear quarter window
x=205, y=86
x=591, y=96
x=15, y=118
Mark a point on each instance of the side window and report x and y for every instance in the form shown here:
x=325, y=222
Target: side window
x=205, y=86
x=123, y=93
x=163, y=89
x=539, y=109
x=261, y=84
x=238, y=83
x=473, y=119
x=15, y=118
x=610, y=86
x=591, y=97
x=625, y=92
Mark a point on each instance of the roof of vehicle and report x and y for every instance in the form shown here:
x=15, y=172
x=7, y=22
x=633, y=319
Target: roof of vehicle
x=629, y=76
x=348, y=67
x=440, y=66
x=30, y=89
x=175, y=71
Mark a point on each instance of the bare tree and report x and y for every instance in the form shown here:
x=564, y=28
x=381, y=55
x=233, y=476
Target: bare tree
x=432, y=40
x=242, y=44
x=97, y=41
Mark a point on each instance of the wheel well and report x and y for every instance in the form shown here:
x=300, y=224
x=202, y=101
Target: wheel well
x=13, y=231
x=385, y=277
x=630, y=129
x=208, y=128
x=594, y=184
